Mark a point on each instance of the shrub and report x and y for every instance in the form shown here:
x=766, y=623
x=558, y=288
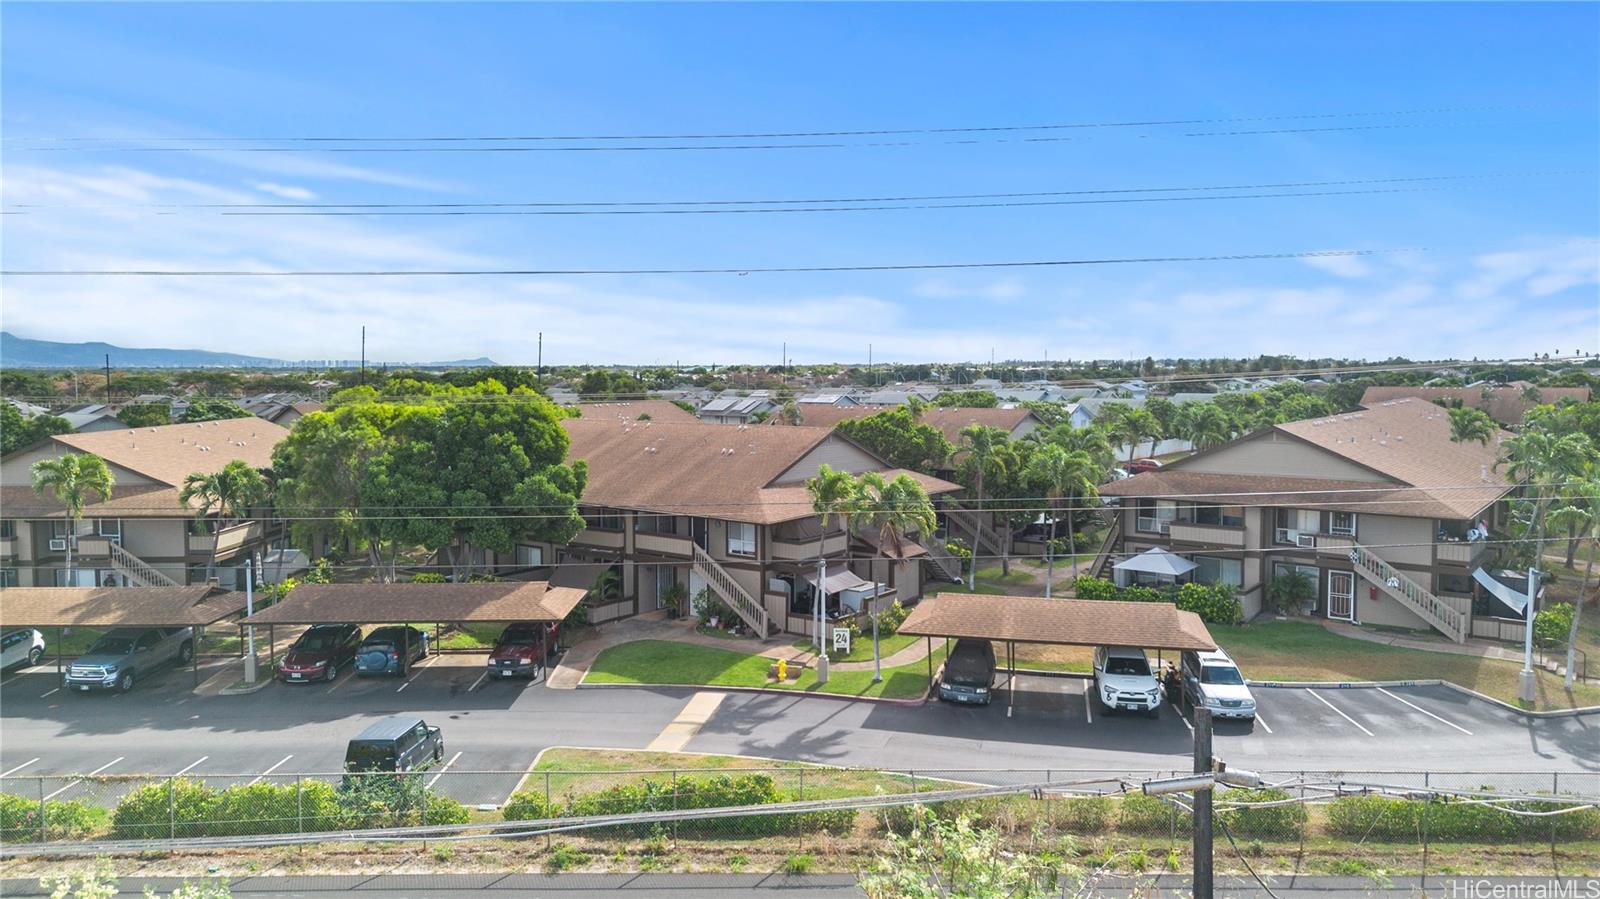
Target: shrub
x=527, y=806
x=1273, y=821
x=69, y=819
x=254, y=808
x=1215, y=604
x=890, y=619
x=1089, y=815
x=799, y=864
x=1094, y=588
x=958, y=549
x=715, y=791
x=1377, y=817
x=563, y=857
x=444, y=810
x=1149, y=816
x=163, y=809
x=427, y=577
x=387, y=800
x=1552, y=624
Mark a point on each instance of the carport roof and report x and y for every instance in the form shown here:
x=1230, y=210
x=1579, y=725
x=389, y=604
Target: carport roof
x=1067, y=622
x=117, y=606
x=505, y=601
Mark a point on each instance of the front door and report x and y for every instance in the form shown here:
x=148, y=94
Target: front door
x=699, y=532
x=1341, y=595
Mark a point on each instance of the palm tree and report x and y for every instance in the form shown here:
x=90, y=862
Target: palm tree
x=1058, y=474
x=229, y=493
x=1092, y=442
x=1469, y=425
x=1586, y=491
x=71, y=478
x=894, y=508
x=1207, y=425
x=1135, y=426
x=832, y=493
x=981, y=445
x=1544, y=461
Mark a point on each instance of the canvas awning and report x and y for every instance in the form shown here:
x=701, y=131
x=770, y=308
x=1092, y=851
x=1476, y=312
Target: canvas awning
x=1510, y=587
x=840, y=579
x=1157, y=561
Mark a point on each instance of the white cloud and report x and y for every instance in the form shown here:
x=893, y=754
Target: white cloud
x=286, y=191
x=999, y=291
x=1342, y=266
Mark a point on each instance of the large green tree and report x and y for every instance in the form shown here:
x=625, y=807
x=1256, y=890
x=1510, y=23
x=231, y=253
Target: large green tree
x=981, y=453
x=72, y=479
x=212, y=410
x=17, y=432
x=1543, y=461
x=145, y=415
x=895, y=436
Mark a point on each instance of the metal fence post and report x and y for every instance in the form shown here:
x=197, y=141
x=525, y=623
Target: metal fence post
x=800, y=820
x=674, y=808
x=300, y=804
x=1555, y=790
x=172, y=811
x=43, y=834
x=1427, y=803
x=547, y=806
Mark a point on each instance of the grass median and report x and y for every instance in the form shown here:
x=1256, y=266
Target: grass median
x=688, y=664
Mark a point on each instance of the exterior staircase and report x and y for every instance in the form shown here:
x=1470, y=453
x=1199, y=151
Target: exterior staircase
x=984, y=541
x=747, y=607
x=1108, y=549
x=944, y=566
x=124, y=563
x=1445, y=618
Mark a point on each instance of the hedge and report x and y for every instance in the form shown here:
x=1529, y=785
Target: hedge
x=190, y=808
x=1216, y=604
x=687, y=792
x=1279, y=821
x=1383, y=818
x=67, y=819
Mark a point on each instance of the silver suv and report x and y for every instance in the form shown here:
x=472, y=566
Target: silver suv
x=119, y=658
x=1212, y=681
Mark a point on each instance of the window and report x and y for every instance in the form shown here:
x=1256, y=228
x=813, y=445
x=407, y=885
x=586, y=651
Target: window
x=1343, y=523
x=8, y=528
x=656, y=524
x=1293, y=522
x=1458, y=584
x=108, y=527
x=8, y=577
x=741, y=538
x=603, y=519
x=529, y=556
x=1156, y=515
x=1214, y=570
x=1226, y=516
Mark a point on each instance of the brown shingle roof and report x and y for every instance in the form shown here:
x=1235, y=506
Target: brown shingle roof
x=117, y=606
x=720, y=471
x=1063, y=622
x=1262, y=490
x=385, y=603
x=949, y=420
x=132, y=501
x=170, y=453
x=1505, y=404
x=630, y=410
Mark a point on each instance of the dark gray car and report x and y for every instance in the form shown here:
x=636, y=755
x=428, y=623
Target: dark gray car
x=120, y=657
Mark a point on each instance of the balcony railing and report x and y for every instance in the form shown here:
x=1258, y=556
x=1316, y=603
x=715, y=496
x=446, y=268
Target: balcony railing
x=1207, y=533
x=665, y=544
x=1462, y=553
x=226, y=542
x=799, y=549
x=592, y=537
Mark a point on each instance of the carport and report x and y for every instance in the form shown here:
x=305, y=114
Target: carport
x=501, y=602
x=1054, y=622
x=119, y=607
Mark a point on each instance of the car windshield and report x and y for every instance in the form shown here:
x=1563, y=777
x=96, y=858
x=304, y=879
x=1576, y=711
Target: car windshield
x=1220, y=674
x=519, y=638
x=968, y=667
x=317, y=641
x=1133, y=667
x=114, y=646
x=369, y=757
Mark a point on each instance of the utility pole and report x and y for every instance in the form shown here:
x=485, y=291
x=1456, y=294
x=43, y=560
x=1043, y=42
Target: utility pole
x=1202, y=804
x=108, y=378
x=1525, y=681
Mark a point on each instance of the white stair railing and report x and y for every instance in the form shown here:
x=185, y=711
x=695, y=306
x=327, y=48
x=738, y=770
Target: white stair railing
x=137, y=569
x=753, y=613
x=1444, y=617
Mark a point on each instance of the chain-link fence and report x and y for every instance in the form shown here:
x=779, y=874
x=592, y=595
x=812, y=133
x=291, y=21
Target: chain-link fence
x=1389, y=822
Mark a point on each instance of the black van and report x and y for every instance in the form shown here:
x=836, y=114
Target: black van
x=968, y=672
x=401, y=743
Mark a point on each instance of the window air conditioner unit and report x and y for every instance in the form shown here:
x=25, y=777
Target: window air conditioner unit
x=58, y=544
x=1305, y=540
x=1284, y=535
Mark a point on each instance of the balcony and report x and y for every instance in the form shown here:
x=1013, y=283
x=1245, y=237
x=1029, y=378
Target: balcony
x=1206, y=533
x=592, y=537
x=1462, y=553
x=794, y=549
x=664, y=544
x=229, y=541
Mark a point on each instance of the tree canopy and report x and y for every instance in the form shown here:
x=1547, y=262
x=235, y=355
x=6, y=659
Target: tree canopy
x=212, y=410
x=17, y=431
x=895, y=436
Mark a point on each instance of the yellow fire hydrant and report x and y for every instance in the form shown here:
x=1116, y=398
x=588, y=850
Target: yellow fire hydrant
x=783, y=670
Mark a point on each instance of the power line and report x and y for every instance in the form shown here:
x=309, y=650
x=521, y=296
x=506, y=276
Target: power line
x=743, y=270
x=751, y=135
x=910, y=198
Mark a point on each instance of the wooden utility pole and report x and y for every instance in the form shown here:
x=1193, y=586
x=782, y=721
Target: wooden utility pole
x=1202, y=804
x=108, y=378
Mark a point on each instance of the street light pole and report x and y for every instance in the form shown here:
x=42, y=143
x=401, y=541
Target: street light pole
x=249, y=629
x=1525, y=681
x=822, y=617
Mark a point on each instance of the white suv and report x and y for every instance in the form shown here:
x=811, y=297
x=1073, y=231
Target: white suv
x=1123, y=679
x=1213, y=681
x=21, y=648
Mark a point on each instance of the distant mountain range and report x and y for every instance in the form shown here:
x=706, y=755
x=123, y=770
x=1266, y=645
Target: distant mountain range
x=25, y=352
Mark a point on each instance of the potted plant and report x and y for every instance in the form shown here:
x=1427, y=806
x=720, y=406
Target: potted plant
x=676, y=598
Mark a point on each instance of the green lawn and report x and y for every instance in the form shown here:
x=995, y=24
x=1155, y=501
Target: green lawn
x=668, y=662
x=582, y=770
x=861, y=650
x=1300, y=650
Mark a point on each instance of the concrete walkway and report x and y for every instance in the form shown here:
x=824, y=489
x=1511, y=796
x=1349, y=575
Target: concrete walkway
x=1469, y=648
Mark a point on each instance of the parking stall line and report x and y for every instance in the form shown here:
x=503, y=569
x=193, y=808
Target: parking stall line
x=1424, y=711
x=1185, y=719
x=1340, y=713
x=418, y=668
x=435, y=779
x=19, y=767
x=56, y=690
x=273, y=768
x=481, y=678
x=74, y=783
x=1263, y=722
x=192, y=765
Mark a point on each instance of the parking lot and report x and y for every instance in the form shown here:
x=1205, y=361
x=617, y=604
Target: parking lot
x=164, y=728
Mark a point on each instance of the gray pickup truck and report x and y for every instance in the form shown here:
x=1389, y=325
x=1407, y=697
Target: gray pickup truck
x=120, y=657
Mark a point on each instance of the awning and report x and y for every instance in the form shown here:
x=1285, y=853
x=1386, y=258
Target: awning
x=909, y=549
x=1510, y=587
x=1062, y=622
x=1158, y=561
x=840, y=579
x=102, y=607
x=495, y=602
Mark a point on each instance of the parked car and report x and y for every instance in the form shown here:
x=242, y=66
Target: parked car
x=122, y=656
x=968, y=673
x=319, y=653
x=520, y=650
x=21, y=649
x=1211, y=680
x=382, y=651
x=1117, y=474
x=1123, y=679
x=1140, y=466
x=398, y=743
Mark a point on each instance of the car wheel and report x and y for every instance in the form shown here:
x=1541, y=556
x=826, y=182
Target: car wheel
x=1152, y=712
x=185, y=653
x=438, y=751
x=35, y=655
x=125, y=682
x=332, y=673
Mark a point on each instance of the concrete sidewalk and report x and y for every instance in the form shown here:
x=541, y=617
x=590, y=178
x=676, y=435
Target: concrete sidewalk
x=1470, y=648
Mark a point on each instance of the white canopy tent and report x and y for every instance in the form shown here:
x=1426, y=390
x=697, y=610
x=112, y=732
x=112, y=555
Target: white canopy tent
x=1155, y=563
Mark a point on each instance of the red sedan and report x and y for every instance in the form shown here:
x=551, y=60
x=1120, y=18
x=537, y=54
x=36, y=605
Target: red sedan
x=319, y=653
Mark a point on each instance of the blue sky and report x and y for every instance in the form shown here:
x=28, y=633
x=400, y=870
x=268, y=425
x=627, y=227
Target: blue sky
x=1509, y=265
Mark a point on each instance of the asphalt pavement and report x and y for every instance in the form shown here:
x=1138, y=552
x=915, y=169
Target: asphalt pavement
x=163, y=728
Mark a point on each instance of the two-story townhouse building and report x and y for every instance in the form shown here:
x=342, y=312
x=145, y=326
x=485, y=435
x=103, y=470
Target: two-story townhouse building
x=1381, y=510
x=141, y=535
x=726, y=509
